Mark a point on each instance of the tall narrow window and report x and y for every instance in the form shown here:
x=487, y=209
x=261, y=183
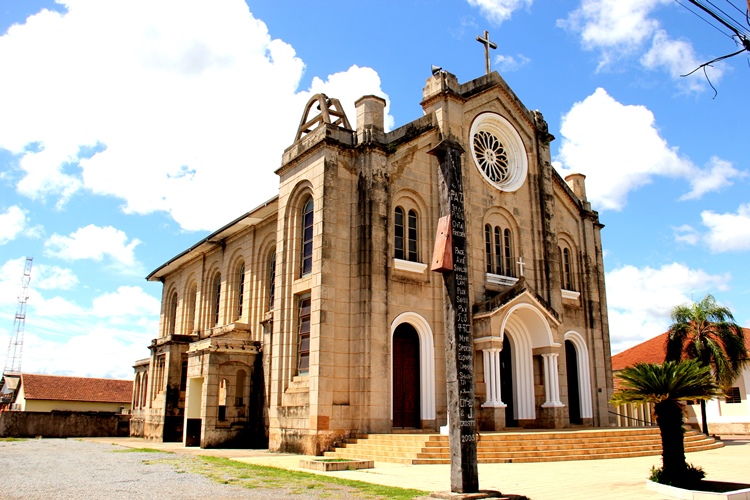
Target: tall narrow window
x=498, y=251
x=488, y=247
x=508, y=253
x=172, y=316
x=183, y=376
x=144, y=391
x=271, y=279
x=307, y=238
x=239, y=391
x=137, y=391
x=398, y=231
x=216, y=298
x=192, y=297
x=412, y=236
x=568, y=282
x=240, y=289
x=303, y=352
x=223, y=400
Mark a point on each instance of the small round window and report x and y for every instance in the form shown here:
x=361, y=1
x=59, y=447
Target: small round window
x=498, y=152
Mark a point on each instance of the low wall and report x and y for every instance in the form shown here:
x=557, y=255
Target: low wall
x=62, y=424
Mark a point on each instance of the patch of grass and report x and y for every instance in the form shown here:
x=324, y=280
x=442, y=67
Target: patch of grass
x=142, y=450
x=284, y=478
x=250, y=476
x=11, y=439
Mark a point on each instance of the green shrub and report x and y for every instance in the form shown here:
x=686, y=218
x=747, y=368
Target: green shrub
x=689, y=480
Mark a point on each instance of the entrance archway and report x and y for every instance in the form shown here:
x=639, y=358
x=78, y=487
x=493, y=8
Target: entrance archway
x=574, y=396
x=406, y=380
x=506, y=383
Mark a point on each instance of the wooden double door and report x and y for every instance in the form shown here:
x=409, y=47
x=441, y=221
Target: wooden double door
x=406, y=410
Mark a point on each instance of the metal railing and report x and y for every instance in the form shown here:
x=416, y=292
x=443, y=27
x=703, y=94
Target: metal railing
x=631, y=415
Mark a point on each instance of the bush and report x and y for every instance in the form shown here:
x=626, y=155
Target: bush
x=689, y=480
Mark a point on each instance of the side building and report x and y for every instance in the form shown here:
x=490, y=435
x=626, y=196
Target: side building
x=315, y=316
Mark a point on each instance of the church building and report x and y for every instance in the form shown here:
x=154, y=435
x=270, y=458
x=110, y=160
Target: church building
x=316, y=317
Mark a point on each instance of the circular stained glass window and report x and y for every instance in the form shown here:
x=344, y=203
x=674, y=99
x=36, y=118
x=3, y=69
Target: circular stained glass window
x=498, y=152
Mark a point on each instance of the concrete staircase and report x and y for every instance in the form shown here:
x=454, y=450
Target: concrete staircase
x=522, y=446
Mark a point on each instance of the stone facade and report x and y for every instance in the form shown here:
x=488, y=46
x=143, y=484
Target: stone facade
x=315, y=316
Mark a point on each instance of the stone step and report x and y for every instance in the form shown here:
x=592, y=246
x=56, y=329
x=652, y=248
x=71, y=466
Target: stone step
x=499, y=447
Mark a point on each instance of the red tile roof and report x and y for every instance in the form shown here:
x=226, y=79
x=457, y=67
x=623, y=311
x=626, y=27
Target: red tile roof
x=651, y=351
x=56, y=387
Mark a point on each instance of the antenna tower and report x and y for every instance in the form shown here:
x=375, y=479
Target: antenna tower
x=15, y=346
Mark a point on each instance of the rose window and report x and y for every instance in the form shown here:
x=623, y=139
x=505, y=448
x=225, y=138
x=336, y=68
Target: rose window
x=498, y=151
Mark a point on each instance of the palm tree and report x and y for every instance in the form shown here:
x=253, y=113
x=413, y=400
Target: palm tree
x=707, y=332
x=666, y=386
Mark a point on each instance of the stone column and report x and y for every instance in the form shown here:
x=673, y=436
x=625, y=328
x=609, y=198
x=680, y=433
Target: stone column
x=491, y=358
x=551, y=381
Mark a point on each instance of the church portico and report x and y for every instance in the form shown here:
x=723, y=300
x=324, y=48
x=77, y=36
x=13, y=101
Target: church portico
x=521, y=348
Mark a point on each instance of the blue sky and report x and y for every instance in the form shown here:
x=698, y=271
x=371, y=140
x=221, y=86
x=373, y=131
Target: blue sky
x=128, y=130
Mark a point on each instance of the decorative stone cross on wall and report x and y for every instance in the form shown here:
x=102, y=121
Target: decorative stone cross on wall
x=487, y=46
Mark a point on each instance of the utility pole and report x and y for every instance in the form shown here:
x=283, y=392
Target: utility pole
x=15, y=346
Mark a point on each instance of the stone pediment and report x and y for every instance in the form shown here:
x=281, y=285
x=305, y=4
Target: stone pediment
x=518, y=293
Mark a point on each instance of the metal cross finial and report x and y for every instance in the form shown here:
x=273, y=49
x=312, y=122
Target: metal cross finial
x=521, y=264
x=487, y=46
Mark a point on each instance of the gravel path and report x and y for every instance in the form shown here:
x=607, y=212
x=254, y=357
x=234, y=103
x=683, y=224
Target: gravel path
x=66, y=468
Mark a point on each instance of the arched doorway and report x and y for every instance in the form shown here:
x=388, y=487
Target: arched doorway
x=506, y=383
x=574, y=396
x=406, y=410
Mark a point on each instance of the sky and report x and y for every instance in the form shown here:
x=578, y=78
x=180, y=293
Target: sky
x=129, y=130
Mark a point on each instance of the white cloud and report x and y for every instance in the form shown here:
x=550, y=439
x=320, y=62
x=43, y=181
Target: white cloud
x=12, y=223
x=48, y=277
x=101, y=339
x=497, y=11
x=617, y=147
x=100, y=352
x=613, y=26
x=640, y=300
x=728, y=232
x=127, y=301
x=200, y=104
x=93, y=242
x=686, y=234
x=510, y=63
x=718, y=175
x=678, y=58
x=623, y=29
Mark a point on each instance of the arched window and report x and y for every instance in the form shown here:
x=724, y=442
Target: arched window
x=488, y=248
x=240, y=289
x=192, y=297
x=172, y=315
x=398, y=226
x=239, y=394
x=271, y=279
x=307, y=238
x=303, y=335
x=216, y=299
x=498, y=249
x=405, y=235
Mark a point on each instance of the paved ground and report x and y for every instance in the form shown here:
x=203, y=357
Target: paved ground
x=616, y=479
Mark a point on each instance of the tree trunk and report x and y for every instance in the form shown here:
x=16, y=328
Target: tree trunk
x=669, y=420
x=704, y=419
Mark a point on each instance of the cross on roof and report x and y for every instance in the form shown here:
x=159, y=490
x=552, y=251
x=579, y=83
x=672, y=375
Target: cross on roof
x=487, y=46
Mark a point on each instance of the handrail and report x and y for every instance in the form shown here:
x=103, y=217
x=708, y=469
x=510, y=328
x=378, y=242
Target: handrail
x=647, y=422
